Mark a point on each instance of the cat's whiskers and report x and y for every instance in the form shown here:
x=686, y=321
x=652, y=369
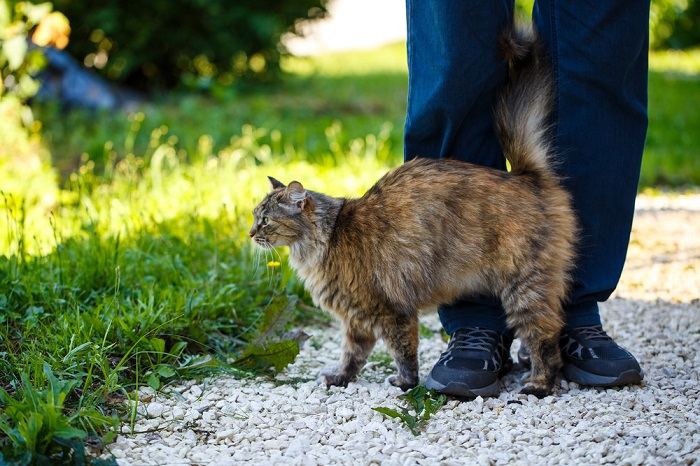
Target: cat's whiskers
x=270, y=253
x=269, y=258
x=257, y=257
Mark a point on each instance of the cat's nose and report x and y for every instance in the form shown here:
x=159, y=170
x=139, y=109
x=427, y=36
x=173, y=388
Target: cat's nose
x=252, y=232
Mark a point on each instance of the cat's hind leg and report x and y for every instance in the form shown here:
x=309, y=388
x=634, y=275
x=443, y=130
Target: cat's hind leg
x=546, y=362
x=537, y=320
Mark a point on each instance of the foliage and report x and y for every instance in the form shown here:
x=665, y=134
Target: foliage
x=672, y=23
x=17, y=62
x=672, y=152
x=37, y=428
x=675, y=23
x=23, y=160
x=139, y=271
x=420, y=404
x=198, y=42
x=523, y=8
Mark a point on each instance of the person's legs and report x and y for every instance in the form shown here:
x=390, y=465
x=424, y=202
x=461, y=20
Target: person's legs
x=599, y=55
x=455, y=72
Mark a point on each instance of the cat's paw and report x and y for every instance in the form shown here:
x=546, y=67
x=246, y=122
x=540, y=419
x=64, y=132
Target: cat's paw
x=540, y=391
x=401, y=382
x=334, y=378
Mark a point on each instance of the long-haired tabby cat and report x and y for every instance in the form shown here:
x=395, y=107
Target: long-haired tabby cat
x=431, y=231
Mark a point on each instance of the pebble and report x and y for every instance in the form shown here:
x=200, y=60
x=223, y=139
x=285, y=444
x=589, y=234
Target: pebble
x=344, y=413
x=154, y=409
x=178, y=413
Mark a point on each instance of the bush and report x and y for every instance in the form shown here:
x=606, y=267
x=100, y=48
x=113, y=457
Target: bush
x=675, y=24
x=24, y=162
x=672, y=23
x=162, y=43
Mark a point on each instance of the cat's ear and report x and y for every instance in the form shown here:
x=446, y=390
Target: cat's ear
x=297, y=194
x=275, y=183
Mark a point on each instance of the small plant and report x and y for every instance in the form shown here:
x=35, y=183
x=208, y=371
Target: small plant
x=37, y=427
x=421, y=404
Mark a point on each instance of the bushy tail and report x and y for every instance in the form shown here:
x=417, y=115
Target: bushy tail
x=524, y=105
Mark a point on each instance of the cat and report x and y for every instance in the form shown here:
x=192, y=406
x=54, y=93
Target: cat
x=434, y=230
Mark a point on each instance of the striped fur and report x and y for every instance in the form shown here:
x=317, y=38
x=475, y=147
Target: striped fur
x=432, y=231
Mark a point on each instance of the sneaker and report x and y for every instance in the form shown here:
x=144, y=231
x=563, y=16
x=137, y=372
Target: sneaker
x=474, y=361
x=591, y=357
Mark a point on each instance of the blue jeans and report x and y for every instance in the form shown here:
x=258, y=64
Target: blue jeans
x=599, y=54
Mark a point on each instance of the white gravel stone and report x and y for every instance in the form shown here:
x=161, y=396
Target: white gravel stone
x=178, y=412
x=655, y=313
x=344, y=413
x=154, y=409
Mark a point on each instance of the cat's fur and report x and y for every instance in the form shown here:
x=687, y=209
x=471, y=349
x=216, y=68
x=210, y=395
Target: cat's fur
x=431, y=231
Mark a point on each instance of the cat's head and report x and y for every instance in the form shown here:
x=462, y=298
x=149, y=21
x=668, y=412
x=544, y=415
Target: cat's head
x=283, y=217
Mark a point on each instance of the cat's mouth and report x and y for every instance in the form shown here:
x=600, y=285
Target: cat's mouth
x=262, y=242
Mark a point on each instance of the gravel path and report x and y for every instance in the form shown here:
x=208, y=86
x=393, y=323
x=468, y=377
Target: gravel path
x=293, y=420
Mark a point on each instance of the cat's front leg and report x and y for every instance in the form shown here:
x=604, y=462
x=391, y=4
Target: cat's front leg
x=401, y=337
x=357, y=345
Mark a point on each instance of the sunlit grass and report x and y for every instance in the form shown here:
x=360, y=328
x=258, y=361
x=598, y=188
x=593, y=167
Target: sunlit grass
x=159, y=186
x=383, y=60
x=676, y=61
x=672, y=153
x=366, y=91
x=129, y=271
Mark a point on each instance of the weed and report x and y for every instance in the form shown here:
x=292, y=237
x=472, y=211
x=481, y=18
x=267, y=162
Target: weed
x=37, y=427
x=420, y=404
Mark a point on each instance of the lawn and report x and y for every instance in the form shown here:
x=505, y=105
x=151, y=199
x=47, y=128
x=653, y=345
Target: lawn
x=124, y=259
x=672, y=154
x=326, y=102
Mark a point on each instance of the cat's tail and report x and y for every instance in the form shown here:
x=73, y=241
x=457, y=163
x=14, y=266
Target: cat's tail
x=524, y=105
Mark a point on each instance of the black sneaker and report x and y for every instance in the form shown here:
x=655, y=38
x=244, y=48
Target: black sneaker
x=474, y=361
x=591, y=357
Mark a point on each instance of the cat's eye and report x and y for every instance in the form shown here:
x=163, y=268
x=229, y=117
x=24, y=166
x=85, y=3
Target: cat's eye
x=265, y=221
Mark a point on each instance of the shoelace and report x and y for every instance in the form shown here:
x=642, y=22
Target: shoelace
x=593, y=333
x=473, y=339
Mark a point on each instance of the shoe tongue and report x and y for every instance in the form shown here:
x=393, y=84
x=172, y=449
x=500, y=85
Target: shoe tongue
x=475, y=343
x=593, y=337
x=474, y=348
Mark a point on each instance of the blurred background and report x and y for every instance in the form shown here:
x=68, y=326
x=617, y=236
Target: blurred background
x=135, y=138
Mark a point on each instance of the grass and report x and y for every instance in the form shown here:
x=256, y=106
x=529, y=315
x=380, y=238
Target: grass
x=672, y=154
x=128, y=279
x=366, y=91
x=313, y=115
x=124, y=259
